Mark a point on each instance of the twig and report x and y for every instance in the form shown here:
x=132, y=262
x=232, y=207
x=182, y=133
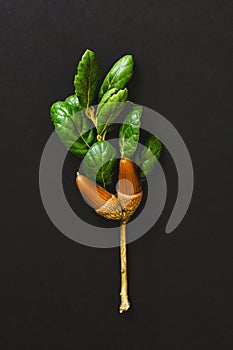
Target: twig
x=124, y=285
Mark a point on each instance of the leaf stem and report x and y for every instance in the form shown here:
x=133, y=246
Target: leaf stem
x=90, y=113
x=124, y=306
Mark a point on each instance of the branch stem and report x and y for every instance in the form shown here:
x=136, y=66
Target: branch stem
x=124, y=306
x=90, y=113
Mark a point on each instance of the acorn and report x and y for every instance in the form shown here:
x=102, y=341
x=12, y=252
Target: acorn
x=129, y=189
x=102, y=201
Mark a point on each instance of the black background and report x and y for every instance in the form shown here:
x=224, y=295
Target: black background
x=57, y=294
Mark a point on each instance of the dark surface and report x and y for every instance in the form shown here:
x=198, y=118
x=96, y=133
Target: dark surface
x=57, y=294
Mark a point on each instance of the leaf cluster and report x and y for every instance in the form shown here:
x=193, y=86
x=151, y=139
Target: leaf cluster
x=83, y=128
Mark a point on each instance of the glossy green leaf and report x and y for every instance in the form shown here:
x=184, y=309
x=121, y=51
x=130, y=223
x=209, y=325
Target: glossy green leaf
x=118, y=76
x=105, y=99
x=149, y=155
x=107, y=95
x=73, y=101
x=87, y=79
x=110, y=110
x=98, y=164
x=72, y=125
x=129, y=132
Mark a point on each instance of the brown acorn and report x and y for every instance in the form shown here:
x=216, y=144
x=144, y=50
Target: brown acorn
x=102, y=201
x=129, y=189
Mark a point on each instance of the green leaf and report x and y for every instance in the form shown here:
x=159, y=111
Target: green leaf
x=105, y=99
x=87, y=79
x=107, y=95
x=110, y=110
x=72, y=125
x=98, y=164
x=118, y=76
x=73, y=101
x=129, y=132
x=149, y=155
